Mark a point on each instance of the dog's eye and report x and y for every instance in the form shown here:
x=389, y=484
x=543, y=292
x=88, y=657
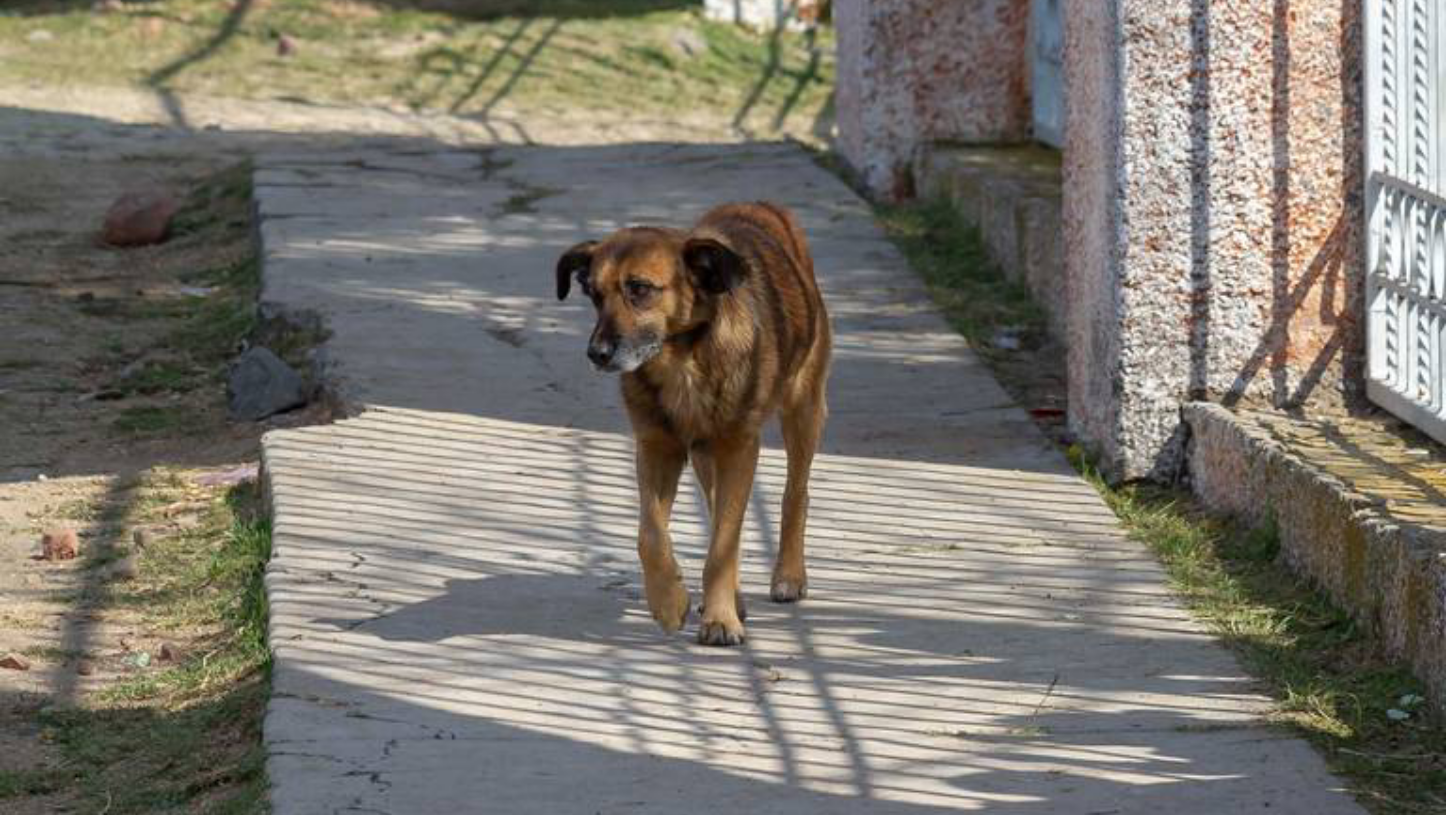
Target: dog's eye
x=638, y=289
x=585, y=285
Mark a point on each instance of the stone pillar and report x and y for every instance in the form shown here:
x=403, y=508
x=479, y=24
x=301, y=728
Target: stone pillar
x=915, y=71
x=1212, y=214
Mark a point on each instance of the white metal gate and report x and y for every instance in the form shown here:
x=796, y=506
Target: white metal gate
x=1405, y=42
x=1046, y=70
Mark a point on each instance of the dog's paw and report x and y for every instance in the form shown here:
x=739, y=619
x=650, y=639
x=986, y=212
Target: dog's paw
x=787, y=589
x=669, y=602
x=720, y=629
x=738, y=604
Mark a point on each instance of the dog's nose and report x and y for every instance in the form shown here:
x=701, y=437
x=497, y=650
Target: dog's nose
x=601, y=352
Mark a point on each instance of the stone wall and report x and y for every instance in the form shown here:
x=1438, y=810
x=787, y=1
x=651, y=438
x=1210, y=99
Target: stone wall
x=1212, y=181
x=916, y=71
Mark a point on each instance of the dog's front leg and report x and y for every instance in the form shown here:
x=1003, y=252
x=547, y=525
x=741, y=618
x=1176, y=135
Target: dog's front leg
x=734, y=460
x=660, y=461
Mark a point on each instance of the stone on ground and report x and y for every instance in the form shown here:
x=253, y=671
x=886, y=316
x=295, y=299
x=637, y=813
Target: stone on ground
x=140, y=218
x=262, y=384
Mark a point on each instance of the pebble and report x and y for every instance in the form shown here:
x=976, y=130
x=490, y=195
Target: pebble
x=15, y=662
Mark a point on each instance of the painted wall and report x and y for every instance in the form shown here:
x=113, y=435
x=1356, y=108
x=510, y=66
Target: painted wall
x=916, y=71
x=1212, y=214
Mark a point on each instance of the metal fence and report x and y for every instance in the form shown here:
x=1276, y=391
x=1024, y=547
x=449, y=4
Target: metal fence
x=1405, y=42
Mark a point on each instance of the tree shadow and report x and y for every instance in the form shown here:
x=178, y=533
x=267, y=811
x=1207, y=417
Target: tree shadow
x=160, y=79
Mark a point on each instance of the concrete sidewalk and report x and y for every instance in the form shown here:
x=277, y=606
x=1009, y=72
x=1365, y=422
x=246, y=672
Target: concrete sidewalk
x=456, y=613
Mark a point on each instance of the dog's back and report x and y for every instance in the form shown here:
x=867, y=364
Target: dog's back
x=785, y=299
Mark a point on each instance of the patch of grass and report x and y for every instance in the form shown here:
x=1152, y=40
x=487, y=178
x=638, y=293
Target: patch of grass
x=159, y=376
x=646, y=59
x=976, y=298
x=44, y=781
x=184, y=737
x=116, y=308
x=154, y=419
x=524, y=200
x=1366, y=715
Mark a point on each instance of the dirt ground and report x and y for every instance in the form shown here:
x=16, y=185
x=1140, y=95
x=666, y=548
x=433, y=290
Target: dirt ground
x=82, y=326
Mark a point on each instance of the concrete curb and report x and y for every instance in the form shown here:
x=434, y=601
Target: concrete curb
x=1390, y=576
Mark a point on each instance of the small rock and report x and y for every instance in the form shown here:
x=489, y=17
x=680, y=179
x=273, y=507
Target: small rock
x=168, y=653
x=141, y=538
x=689, y=42
x=15, y=662
x=124, y=569
x=84, y=668
x=140, y=218
x=285, y=46
x=59, y=544
x=261, y=384
x=39, y=35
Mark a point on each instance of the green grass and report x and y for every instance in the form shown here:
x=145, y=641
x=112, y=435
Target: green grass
x=974, y=295
x=647, y=59
x=141, y=420
x=1328, y=678
x=186, y=737
x=201, y=333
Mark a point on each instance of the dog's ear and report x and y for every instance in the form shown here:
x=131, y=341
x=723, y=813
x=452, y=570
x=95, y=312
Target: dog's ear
x=715, y=268
x=577, y=260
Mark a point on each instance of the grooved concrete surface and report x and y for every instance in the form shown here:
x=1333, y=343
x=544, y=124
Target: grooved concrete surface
x=455, y=600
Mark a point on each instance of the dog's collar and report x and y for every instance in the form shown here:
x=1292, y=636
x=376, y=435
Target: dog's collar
x=689, y=338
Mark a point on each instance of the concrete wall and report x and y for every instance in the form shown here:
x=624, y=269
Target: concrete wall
x=1212, y=205
x=915, y=71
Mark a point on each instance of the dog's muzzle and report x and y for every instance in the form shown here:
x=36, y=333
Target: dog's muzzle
x=613, y=356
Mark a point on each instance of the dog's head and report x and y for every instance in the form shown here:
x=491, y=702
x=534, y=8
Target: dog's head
x=647, y=285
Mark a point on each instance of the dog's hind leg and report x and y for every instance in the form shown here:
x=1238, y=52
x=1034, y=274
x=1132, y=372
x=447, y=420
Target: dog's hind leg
x=802, y=427
x=660, y=461
x=735, y=460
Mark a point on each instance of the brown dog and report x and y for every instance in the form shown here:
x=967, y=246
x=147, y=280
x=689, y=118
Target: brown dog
x=714, y=330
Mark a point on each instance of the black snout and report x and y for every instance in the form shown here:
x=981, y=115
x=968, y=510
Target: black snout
x=601, y=352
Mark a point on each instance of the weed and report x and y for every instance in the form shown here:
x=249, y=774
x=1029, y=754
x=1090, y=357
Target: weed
x=154, y=419
x=974, y=295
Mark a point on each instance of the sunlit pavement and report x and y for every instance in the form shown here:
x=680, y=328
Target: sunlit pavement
x=456, y=609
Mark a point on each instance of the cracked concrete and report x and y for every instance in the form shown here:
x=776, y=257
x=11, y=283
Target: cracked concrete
x=456, y=611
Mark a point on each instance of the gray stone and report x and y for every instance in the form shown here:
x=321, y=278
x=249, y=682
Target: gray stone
x=261, y=384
